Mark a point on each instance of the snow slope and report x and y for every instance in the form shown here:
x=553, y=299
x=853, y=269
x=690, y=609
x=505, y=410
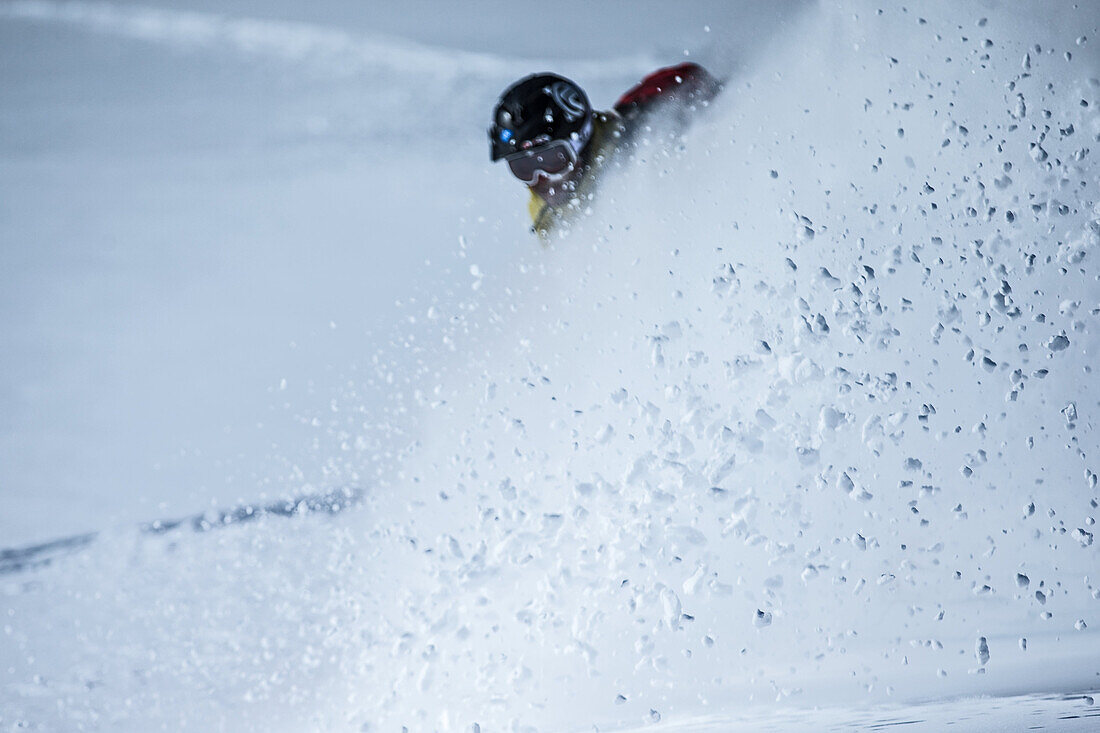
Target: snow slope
x=802, y=415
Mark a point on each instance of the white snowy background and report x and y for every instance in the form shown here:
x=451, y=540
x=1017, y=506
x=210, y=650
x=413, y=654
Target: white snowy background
x=796, y=428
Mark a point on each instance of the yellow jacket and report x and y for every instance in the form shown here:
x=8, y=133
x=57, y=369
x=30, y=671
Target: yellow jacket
x=607, y=132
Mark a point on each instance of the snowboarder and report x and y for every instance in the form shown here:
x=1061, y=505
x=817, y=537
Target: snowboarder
x=546, y=130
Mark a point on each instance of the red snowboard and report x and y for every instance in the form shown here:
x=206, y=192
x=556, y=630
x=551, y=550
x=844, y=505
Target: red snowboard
x=686, y=84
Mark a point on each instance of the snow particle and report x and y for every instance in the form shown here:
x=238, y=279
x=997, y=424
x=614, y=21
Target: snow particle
x=1058, y=343
x=981, y=650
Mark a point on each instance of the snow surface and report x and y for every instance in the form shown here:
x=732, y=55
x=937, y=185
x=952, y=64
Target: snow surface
x=797, y=427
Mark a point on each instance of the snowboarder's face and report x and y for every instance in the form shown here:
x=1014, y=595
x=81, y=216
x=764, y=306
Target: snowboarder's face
x=556, y=191
x=550, y=172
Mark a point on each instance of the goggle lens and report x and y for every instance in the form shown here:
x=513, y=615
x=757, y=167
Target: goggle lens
x=552, y=160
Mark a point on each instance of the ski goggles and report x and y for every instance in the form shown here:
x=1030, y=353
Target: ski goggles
x=552, y=160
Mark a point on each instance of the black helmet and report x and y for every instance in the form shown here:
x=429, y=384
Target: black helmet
x=536, y=110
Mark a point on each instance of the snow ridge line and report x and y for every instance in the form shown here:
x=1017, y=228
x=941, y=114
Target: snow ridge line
x=330, y=49
x=334, y=501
